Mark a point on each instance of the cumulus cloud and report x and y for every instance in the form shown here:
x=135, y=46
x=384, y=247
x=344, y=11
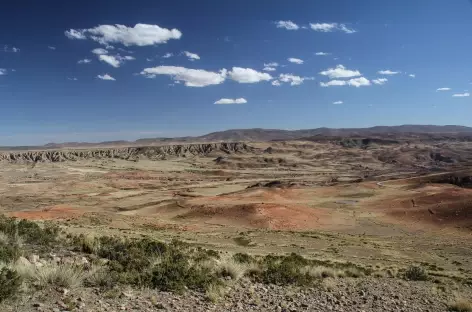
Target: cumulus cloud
x=412, y=75
x=139, y=35
x=443, y=89
x=110, y=59
x=388, y=72
x=340, y=72
x=84, y=61
x=330, y=27
x=338, y=102
x=190, y=77
x=248, y=75
x=466, y=94
x=355, y=82
x=293, y=79
x=167, y=55
x=276, y=83
x=322, y=53
x=3, y=71
x=268, y=68
x=51, y=48
x=191, y=56
x=99, y=51
x=359, y=82
x=295, y=60
x=231, y=101
x=380, y=81
x=289, y=25
x=106, y=77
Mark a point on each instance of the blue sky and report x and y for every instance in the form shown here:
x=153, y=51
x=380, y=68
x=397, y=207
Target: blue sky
x=385, y=61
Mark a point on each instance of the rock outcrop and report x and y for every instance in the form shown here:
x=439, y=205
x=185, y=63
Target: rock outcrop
x=129, y=153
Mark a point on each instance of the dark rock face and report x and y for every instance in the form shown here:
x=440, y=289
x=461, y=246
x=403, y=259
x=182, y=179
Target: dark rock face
x=129, y=153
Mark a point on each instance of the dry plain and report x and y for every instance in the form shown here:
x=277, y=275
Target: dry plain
x=376, y=204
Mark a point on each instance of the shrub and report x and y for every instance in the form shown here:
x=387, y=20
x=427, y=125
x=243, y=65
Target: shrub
x=461, y=305
x=30, y=231
x=9, y=252
x=283, y=270
x=61, y=275
x=10, y=283
x=243, y=258
x=415, y=273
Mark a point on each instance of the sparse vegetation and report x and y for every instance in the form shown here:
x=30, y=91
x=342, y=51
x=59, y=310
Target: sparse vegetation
x=10, y=283
x=415, y=273
x=461, y=305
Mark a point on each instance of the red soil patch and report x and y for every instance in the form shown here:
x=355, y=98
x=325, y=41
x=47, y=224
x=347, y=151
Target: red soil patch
x=440, y=205
x=49, y=213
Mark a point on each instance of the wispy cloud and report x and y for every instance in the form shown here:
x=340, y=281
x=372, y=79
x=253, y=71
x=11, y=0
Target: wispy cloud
x=231, y=101
x=338, y=102
x=380, y=81
x=355, y=82
x=51, y=48
x=168, y=55
x=466, y=94
x=99, y=51
x=8, y=49
x=294, y=80
x=330, y=27
x=289, y=25
x=412, y=75
x=106, y=77
x=3, y=71
x=388, y=72
x=322, y=53
x=191, y=56
x=443, y=89
x=84, y=61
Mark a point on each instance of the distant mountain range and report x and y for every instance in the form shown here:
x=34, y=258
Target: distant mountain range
x=258, y=135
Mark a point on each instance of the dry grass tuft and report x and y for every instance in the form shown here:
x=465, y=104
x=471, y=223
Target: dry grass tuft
x=229, y=267
x=62, y=275
x=215, y=292
x=461, y=305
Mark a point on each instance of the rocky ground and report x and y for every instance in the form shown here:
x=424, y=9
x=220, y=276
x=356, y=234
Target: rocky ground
x=366, y=294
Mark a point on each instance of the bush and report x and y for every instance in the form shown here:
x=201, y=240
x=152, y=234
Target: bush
x=10, y=283
x=30, y=231
x=415, y=273
x=175, y=273
x=9, y=253
x=461, y=305
x=283, y=270
x=243, y=258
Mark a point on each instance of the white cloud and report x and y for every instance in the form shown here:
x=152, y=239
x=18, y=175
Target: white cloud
x=338, y=102
x=99, y=51
x=330, y=27
x=355, y=82
x=380, y=81
x=139, y=35
x=295, y=60
x=3, y=71
x=75, y=34
x=7, y=48
x=322, y=53
x=231, y=101
x=273, y=64
x=388, y=72
x=443, y=89
x=412, y=75
x=268, y=68
x=106, y=77
x=127, y=58
x=110, y=59
x=167, y=55
x=191, y=77
x=72, y=78
x=248, y=75
x=191, y=56
x=149, y=59
x=84, y=61
x=289, y=25
x=359, y=82
x=466, y=94
x=340, y=72
x=332, y=83
x=276, y=83
x=51, y=48
x=293, y=79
